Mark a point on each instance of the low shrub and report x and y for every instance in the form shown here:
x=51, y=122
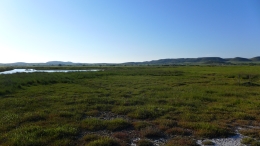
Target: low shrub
x=244, y=116
x=122, y=110
x=151, y=132
x=105, y=141
x=146, y=113
x=94, y=124
x=255, y=133
x=181, y=141
x=247, y=140
x=144, y=142
x=165, y=124
x=255, y=143
x=124, y=136
x=141, y=124
x=208, y=142
x=208, y=130
x=117, y=124
x=90, y=137
x=66, y=114
x=36, y=135
x=92, y=113
x=34, y=117
x=178, y=131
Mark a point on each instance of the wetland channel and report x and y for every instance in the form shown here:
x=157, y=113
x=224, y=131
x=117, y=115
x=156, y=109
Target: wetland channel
x=48, y=71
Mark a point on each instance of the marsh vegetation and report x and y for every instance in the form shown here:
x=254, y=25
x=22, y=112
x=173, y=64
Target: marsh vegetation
x=129, y=105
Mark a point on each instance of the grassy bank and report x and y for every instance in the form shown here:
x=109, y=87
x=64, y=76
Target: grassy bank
x=121, y=104
x=5, y=68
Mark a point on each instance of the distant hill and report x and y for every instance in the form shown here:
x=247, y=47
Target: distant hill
x=59, y=62
x=18, y=63
x=239, y=59
x=177, y=61
x=182, y=60
x=211, y=59
x=255, y=58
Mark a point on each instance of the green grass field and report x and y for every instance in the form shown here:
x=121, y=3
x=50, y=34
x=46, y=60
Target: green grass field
x=120, y=104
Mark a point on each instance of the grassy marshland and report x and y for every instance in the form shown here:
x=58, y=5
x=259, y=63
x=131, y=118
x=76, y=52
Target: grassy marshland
x=120, y=104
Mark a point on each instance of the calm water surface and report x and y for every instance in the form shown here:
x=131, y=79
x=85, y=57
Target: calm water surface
x=49, y=71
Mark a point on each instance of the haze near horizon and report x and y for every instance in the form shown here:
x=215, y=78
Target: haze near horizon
x=116, y=31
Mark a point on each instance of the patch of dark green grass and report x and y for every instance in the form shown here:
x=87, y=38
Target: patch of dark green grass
x=94, y=124
x=35, y=135
x=90, y=137
x=105, y=141
x=92, y=113
x=123, y=110
x=118, y=124
x=208, y=129
x=146, y=113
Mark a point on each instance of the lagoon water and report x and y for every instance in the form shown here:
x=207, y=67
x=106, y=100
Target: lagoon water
x=48, y=71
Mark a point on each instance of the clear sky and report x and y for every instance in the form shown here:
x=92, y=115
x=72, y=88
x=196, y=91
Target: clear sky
x=115, y=31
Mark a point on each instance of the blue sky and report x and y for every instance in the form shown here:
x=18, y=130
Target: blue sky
x=115, y=31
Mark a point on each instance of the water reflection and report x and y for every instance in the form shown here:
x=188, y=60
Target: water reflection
x=49, y=71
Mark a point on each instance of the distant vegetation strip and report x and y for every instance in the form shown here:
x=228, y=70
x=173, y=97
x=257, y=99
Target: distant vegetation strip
x=2, y=69
x=201, y=60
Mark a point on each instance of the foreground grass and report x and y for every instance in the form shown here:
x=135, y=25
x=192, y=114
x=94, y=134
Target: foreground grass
x=152, y=102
